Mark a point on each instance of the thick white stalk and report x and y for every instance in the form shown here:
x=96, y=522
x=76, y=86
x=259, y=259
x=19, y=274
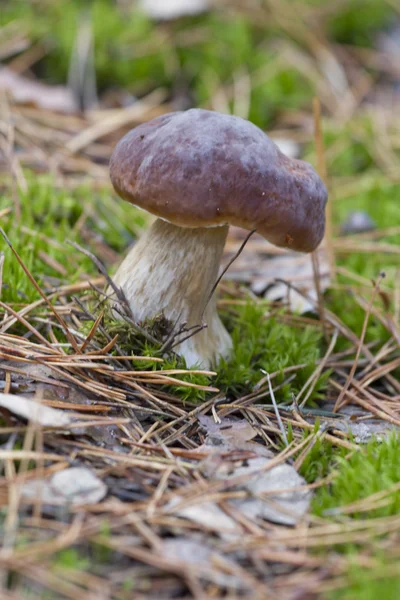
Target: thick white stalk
x=172, y=270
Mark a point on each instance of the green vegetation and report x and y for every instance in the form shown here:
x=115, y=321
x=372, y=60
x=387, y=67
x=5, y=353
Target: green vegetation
x=49, y=218
x=71, y=558
x=368, y=584
x=263, y=344
x=372, y=473
x=320, y=460
x=133, y=54
x=373, y=469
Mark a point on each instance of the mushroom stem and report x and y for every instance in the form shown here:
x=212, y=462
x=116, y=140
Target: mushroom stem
x=171, y=271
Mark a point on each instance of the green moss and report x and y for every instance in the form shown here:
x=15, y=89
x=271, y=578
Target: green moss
x=71, y=558
x=380, y=581
x=318, y=462
x=262, y=343
x=359, y=21
x=51, y=216
x=373, y=469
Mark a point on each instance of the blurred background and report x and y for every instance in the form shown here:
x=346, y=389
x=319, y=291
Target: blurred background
x=264, y=60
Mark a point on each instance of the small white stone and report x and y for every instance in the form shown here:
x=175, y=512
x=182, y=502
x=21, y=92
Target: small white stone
x=172, y=9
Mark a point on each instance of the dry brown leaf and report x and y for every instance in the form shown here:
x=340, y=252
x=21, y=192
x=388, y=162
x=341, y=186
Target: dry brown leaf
x=295, y=269
x=278, y=494
x=57, y=98
x=229, y=430
x=74, y=486
x=35, y=412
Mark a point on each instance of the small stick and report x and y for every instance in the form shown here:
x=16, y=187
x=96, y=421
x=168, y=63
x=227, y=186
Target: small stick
x=278, y=416
x=339, y=401
x=317, y=283
x=214, y=287
x=102, y=269
x=25, y=323
x=322, y=171
x=92, y=332
x=2, y=257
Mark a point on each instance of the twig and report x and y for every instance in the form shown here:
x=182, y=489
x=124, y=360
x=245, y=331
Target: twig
x=317, y=283
x=214, y=287
x=103, y=271
x=322, y=170
x=339, y=401
x=278, y=416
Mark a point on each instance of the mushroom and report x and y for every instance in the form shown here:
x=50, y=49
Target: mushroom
x=200, y=171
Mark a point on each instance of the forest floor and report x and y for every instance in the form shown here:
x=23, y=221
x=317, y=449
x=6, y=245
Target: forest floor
x=123, y=474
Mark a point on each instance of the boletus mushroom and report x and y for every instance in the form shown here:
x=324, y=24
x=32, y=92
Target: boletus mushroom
x=199, y=172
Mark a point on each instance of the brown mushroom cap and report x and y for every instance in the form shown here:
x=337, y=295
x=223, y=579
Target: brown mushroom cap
x=200, y=169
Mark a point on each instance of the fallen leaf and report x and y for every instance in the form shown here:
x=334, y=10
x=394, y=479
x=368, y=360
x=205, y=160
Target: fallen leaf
x=74, y=486
x=360, y=423
x=295, y=269
x=197, y=554
x=227, y=442
x=270, y=494
x=56, y=98
x=271, y=271
x=24, y=374
x=35, y=412
x=206, y=514
x=267, y=500
x=229, y=430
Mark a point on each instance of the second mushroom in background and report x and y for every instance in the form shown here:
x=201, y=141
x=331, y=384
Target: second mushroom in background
x=199, y=172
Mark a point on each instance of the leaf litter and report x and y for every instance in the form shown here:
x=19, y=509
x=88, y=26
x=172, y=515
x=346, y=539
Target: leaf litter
x=243, y=468
x=73, y=486
x=57, y=98
x=108, y=441
x=34, y=411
